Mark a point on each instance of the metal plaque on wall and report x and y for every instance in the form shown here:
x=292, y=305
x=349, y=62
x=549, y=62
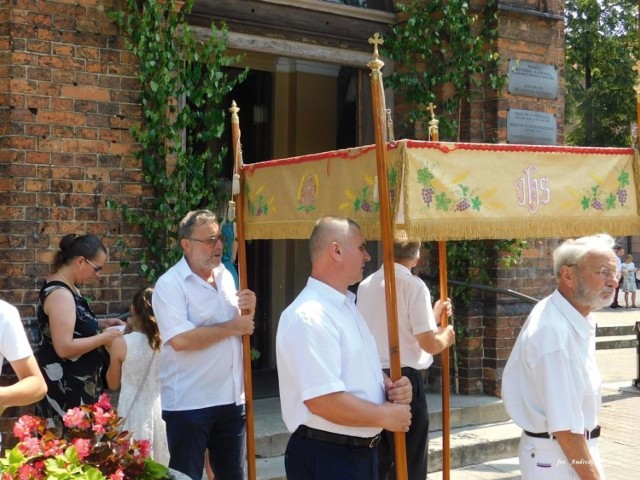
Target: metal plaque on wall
x=532, y=79
x=531, y=128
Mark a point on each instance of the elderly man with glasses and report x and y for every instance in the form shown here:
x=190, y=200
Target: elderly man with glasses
x=199, y=316
x=551, y=385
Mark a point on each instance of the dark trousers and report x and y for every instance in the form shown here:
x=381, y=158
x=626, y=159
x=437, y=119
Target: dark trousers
x=220, y=429
x=309, y=459
x=615, y=296
x=417, y=438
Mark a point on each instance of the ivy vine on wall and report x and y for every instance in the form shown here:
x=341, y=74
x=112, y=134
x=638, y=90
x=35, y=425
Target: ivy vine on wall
x=183, y=83
x=444, y=54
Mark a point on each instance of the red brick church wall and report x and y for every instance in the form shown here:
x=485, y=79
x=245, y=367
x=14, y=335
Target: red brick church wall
x=68, y=96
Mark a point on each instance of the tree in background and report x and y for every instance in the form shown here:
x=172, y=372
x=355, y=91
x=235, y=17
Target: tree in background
x=601, y=50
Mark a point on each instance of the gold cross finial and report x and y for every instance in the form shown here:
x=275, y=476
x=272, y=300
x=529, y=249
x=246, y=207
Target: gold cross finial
x=431, y=107
x=375, y=41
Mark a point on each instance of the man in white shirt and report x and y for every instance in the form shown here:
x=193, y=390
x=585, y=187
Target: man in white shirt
x=551, y=386
x=420, y=339
x=334, y=397
x=199, y=317
x=15, y=347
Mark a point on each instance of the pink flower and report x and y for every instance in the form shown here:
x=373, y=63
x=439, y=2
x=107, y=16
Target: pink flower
x=83, y=447
x=101, y=417
x=98, y=428
x=145, y=448
x=118, y=475
x=26, y=472
x=74, y=418
x=30, y=447
x=25, y=426
x=52, y=448
x=103, y=402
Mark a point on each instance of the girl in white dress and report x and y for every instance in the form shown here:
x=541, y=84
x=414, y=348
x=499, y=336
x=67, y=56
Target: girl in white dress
x=134, y=369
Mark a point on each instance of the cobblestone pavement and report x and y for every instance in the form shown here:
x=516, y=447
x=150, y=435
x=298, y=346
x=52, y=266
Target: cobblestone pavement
x=619, y=418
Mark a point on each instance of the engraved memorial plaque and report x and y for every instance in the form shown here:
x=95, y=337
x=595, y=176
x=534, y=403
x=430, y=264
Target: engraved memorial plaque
x=532, y=79
x=531, y=128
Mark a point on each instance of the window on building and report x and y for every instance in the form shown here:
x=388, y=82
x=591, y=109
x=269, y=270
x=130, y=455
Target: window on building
x=384, y=5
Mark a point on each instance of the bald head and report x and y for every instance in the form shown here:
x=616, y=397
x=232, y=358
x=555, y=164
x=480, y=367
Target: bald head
x=327, y=230
x=338, y=252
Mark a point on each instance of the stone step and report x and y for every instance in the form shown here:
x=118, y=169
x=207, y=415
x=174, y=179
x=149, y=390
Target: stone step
x=616, y=341
x=614, y=330
x=474, y=419
x=475, y=444
x=271, y=435
x=468, y=446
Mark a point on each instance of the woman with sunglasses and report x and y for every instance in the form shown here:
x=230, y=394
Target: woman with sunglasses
x=71, y=352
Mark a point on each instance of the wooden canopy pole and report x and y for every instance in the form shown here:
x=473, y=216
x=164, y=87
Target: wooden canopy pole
x=379, y=111
x=446, y=420
x=434, y=136
x=242, y=275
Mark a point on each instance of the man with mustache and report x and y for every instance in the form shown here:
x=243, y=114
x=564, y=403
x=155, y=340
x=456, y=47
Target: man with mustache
x=551, y=386
x=199, y=314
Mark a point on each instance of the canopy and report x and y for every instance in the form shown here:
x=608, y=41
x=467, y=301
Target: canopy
x=449, y=191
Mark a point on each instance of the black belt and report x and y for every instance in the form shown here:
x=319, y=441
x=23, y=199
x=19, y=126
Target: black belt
x=336, y=438
x=595, y=433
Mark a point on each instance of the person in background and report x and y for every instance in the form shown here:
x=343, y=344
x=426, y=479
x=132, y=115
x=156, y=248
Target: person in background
x=628, y=280
x=199, y=317
x=420, y=339
x=133, y=368
x=551, y=386
x=15, y=347
x=334, y=397
x=71, y=353
x=619, y=251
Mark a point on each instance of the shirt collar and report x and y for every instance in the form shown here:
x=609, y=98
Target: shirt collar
x=401, y=269
x=184, y=270
x=329, y=293
x=582, y=325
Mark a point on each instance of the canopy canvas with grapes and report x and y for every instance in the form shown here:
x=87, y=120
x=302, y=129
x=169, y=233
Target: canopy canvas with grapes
x=447, y=191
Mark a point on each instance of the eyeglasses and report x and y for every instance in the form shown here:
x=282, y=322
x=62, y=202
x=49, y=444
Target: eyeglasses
x=604, y=272
x=96, y=268
x=210, y=242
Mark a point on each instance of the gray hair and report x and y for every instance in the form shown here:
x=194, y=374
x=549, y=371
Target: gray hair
x=405, y=249
x=194, y=219
x=570, y=252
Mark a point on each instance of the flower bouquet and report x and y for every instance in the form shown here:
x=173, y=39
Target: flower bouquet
x=92, y=447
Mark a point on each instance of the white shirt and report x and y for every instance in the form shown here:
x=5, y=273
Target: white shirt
x=415, y=315
x=551, y=381
x=13, y=339
x=324, y=346
x=212, y=376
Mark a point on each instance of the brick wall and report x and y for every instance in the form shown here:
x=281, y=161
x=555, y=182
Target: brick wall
x=533, y=31
x=68, y=98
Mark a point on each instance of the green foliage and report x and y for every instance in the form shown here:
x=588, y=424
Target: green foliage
x=470, y=261
x=441, y=45
x=601, y=40
x=183, y=85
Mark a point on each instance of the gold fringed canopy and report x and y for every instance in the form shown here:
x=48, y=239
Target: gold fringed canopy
x=447, y=191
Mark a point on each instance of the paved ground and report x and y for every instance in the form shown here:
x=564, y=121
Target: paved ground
x=620, y=416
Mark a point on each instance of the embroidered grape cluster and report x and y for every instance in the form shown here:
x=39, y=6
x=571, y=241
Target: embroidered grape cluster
x=462, y=205
x=427, y=195
x=622, y=195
